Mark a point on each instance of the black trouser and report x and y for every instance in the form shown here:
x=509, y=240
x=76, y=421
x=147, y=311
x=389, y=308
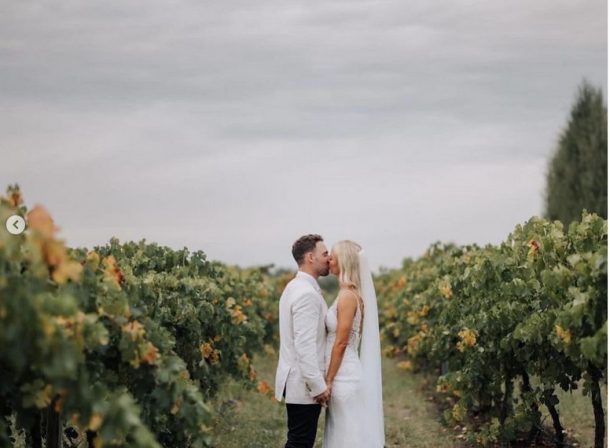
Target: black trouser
x=302, y=424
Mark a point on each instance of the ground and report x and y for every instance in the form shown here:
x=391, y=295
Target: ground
x=249, y=419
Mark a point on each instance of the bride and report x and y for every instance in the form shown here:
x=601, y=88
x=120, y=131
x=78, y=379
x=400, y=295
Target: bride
x=354, y=416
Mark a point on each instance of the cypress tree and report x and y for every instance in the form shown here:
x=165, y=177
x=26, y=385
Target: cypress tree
x=578, y=171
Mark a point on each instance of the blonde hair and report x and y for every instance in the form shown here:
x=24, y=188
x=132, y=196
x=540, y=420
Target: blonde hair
x=349, y=264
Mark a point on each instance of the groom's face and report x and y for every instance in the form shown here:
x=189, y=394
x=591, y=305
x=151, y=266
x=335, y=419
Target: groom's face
x=321, y=259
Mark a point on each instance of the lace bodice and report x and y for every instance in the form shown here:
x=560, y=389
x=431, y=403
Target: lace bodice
x=331, y=327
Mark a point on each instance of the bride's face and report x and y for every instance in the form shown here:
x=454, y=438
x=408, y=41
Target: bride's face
x=334, y=263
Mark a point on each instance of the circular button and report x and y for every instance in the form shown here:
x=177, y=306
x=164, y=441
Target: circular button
x=15, y=224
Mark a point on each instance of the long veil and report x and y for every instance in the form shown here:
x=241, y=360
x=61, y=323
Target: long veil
x=370, y=357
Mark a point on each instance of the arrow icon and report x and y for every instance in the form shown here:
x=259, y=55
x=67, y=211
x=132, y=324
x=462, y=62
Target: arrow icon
x=15, y=224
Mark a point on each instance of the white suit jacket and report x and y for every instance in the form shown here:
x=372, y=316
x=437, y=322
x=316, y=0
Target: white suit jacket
x=300, y=369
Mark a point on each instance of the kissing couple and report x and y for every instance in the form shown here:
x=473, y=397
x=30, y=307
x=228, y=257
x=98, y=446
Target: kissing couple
x=330, y=357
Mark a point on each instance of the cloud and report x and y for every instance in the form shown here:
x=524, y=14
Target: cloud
x=234, y=128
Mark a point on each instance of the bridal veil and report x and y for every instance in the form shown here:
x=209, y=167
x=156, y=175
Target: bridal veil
x=370, y=358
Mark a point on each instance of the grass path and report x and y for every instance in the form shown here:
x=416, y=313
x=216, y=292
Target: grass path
x=249, y=419
x=254, y=421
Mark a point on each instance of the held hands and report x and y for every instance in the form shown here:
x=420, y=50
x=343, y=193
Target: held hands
x=324, y=396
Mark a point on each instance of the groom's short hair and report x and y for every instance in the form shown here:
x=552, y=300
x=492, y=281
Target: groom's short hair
x=306, y=243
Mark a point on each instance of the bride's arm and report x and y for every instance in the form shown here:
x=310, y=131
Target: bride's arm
x=346, y=310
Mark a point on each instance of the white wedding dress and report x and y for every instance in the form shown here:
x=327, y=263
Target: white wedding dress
x=354, y=416
x=342, y=427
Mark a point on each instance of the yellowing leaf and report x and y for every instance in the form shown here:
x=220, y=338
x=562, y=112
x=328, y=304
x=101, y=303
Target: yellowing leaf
x=237, y=316
x=93, y=259
x=413, y=344
x=39, y=220
x=176, y=406
x=424, y=311
x=468, y=339
x=243, y=362
x=269, y=349
x=412, y=317
x=67, y=270
x=401, y=282
x=134, y=329
x=206, y=350
x=534, y=249
x=14, y=199
x=563, y=334
x=151, y=353
x=95, y=422
x=446, y=291
x=112, y=271
x=263, y=387
x=405, y=365
x=458, y=412
x=442, y=388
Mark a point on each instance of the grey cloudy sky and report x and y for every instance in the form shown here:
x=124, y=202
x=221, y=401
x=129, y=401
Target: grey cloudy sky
x=235, y=127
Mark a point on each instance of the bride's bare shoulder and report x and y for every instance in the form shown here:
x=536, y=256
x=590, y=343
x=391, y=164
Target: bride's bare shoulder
x=347, y=298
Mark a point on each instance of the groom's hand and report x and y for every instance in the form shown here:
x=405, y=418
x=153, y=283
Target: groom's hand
x=323, y=397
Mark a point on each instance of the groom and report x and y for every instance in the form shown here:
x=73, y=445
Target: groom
x=300, y=371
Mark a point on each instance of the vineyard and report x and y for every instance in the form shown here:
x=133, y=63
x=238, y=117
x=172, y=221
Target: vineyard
x=127, y=344
x=124, y=344
x=486, y=320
